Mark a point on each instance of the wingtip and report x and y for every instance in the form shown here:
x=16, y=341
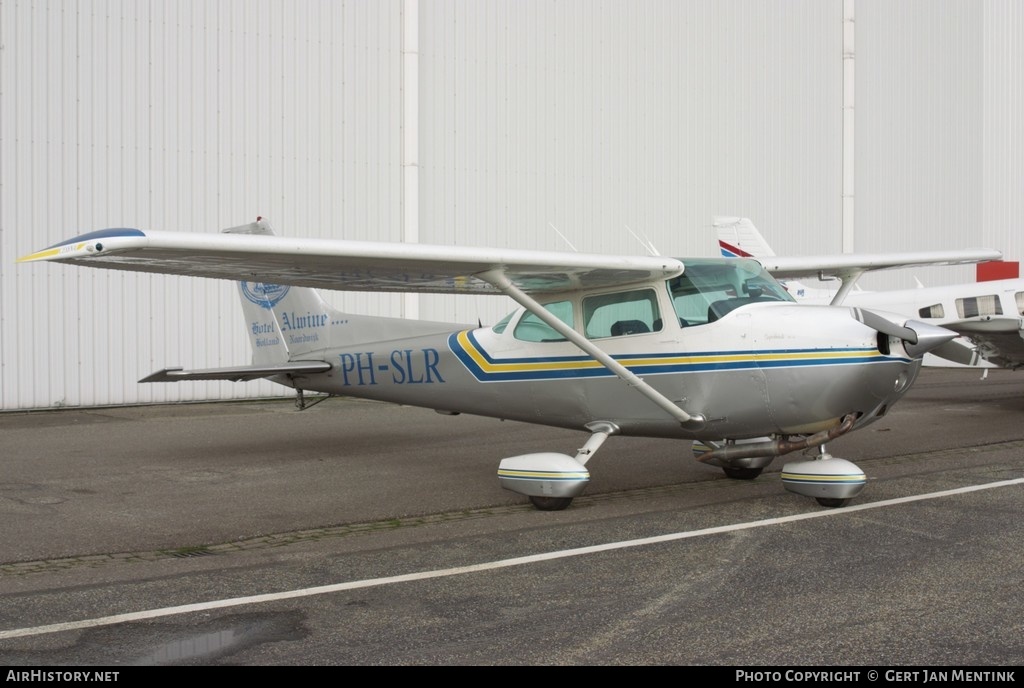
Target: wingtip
x=37, y=256
x=89, y=242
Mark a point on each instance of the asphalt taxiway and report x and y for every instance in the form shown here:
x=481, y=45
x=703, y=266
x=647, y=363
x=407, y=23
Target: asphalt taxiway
x=361, y=533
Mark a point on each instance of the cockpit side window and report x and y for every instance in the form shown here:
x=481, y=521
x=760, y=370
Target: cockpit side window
x=709, y=288
x=622, y=313
x=530, y=328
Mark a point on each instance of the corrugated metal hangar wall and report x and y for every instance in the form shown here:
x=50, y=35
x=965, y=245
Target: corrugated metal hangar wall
x=488, y=122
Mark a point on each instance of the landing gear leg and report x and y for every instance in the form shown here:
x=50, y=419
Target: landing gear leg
x=829, y=502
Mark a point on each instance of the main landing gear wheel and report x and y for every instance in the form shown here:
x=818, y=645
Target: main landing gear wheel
x=551, y=503
x=742, y=473
x=831, y=502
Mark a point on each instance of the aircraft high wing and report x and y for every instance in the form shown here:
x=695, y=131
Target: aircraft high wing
x=988, y=314
x=709, y=350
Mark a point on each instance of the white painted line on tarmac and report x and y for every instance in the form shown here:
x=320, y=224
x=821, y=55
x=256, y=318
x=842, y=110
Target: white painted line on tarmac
x=459, y=570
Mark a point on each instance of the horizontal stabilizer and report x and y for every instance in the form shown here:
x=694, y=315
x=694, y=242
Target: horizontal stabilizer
x=239, y=373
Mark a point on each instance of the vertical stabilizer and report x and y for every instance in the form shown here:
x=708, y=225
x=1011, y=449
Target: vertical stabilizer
x=284, y=323
x=739, y=238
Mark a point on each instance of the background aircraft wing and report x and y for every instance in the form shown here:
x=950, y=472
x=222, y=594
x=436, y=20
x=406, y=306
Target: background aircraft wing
x=846, y=265
x=349, y=265
x=1000, y=340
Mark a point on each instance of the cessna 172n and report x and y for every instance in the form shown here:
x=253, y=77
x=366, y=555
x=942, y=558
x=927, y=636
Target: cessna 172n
x=988, y=314
x=709, y=350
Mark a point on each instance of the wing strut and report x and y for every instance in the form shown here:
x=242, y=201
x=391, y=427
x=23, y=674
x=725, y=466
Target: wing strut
x=501, y=282
x=846, y=282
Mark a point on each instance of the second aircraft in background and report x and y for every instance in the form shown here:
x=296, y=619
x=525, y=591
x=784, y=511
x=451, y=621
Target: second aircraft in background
x=987, y=314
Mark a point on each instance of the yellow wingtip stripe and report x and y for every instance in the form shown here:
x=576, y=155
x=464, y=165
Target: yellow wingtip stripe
x=38, y=255
x=49, y=253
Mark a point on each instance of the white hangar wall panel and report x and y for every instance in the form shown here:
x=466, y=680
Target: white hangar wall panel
x=595, y=119
x=1002, y=66
x=919, y=115
x=592, y=118
x=939, y=154
x=189, y=116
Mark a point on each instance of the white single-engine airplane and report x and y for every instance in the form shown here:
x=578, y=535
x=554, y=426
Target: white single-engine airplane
x=709, y=350
x=988, y=314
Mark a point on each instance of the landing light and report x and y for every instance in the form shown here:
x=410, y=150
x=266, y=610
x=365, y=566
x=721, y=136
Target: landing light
x=901, y=382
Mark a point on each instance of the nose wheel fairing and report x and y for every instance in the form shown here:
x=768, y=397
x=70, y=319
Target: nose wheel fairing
x=831, y=481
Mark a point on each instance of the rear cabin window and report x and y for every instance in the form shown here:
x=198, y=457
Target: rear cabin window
x=979, y=305
x=621, y=314
x=532, y=329
x=1020, y=302
x=503, y=323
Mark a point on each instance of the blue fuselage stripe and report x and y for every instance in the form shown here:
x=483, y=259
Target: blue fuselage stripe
x=486, y=368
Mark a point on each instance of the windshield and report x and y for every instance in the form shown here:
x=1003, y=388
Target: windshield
x=711, y=287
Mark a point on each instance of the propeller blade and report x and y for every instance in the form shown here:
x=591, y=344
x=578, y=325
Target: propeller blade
x=929, y=337
x=918, y=337
x=884, y=325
